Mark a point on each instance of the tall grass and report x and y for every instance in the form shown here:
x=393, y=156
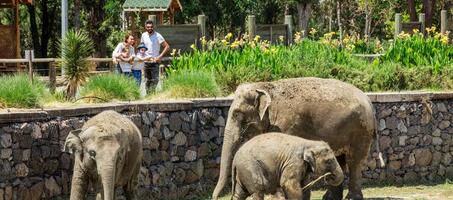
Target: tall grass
x=109, y=87
x=238, y=61
x=17, y=91
x=416, y=50
x=190, y=84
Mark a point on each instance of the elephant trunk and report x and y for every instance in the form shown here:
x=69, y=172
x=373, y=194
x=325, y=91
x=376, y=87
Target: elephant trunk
x=107, y=172
x=79, y=180
x=229, y=148
x=336, y=178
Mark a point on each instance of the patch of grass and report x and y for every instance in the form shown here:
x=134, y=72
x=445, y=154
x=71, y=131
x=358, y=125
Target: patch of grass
x=190, y=84
x=108, y=87
x=16, y=91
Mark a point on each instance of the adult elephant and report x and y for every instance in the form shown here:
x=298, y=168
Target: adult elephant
x=312, y=108
x=108, y=152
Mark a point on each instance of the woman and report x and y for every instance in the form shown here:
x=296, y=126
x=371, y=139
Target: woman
x=124, y=54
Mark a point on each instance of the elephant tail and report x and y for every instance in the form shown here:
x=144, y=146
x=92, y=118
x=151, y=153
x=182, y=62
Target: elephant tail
x=378, y=149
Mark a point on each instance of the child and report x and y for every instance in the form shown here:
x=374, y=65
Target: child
x=139, y=64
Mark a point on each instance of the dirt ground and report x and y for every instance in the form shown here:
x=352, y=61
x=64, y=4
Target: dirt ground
x=420, y=192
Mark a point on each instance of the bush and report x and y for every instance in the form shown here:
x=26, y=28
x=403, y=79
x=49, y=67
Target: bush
x=17, y=91
x=190, y=84
x=107, y=87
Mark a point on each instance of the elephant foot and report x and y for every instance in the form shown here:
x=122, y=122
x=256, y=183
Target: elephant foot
x=355, y=196
x=333, y=193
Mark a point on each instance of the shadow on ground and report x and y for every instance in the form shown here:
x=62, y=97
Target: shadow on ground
x=383, y=198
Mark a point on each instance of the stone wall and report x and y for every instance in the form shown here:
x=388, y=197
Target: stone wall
x=182, y=145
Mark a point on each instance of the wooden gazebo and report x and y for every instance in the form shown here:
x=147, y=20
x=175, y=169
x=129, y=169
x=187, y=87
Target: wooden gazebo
x=164, y=10
x=10, y=34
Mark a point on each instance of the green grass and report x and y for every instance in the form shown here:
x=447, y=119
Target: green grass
x=189, y=84
x=17, y=92
x=109, y=87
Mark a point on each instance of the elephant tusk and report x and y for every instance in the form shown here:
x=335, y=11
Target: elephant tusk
x=315, y=181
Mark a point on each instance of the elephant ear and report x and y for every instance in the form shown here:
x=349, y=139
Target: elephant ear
x=262, y=101
x=310, y=159
x=73, y=144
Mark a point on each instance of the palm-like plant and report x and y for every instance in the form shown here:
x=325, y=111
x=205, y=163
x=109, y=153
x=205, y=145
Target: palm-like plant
x=76, y=47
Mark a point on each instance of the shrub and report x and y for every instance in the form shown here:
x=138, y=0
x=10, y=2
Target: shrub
x=189, y=84
x=108, y=87
x=76, y=47
x=17, y=91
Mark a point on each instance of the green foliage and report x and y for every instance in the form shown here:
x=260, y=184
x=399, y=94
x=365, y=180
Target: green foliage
x=108, y=87
x=76, y=47
x=115, y=38
x=236, y=62
x=415, y=50
x=189, y=84
x=17, y=91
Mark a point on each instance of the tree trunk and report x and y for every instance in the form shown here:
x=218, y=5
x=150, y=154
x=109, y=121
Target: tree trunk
x=367, y=20
x=286, y=9
x=304, y=10
x=33, y=27
x=411, y=10
x=340, y=26
x=77, y=4
x=428, y=7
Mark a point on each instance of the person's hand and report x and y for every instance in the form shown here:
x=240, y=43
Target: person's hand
x=157, y=60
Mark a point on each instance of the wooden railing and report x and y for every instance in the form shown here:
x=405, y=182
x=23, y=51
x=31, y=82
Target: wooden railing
x=53, y=66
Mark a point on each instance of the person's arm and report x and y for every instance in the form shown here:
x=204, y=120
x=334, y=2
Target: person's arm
x=117, y=52
x=166, y=49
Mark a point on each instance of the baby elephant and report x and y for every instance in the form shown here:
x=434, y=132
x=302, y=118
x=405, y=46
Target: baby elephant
x=108, y=153
x=276, y=160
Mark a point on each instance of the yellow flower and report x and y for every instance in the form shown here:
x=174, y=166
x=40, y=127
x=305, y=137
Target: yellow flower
x=415, y=31
x=224, y=42
x=403, y=35
x=257, y=38
x=228, y=36
x=203, y=40
x=173, y=53
x=193, y=47
x=313, y=31
x=297, y=37
x=281, y=38
x=235, y=44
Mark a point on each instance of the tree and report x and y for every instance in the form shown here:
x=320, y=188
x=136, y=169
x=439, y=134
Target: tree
x=42, y=22
x=304, y=9
x=75, y=47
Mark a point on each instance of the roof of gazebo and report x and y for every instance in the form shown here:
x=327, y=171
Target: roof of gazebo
x=151, y=5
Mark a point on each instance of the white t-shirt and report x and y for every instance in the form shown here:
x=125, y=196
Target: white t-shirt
x=152, y=42
x=139, y=65
x=125, y=66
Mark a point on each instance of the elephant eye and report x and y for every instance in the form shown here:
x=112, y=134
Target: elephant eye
x=92, y=154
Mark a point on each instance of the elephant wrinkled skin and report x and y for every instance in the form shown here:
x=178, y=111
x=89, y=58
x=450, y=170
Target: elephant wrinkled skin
x=108, y=153
x=275, y=160
x=312, y=108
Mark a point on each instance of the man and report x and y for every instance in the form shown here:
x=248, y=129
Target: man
x=153, y=40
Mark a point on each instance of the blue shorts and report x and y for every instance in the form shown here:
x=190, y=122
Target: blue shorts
x=137, y=76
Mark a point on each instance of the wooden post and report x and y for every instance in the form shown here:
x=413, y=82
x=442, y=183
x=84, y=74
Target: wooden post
x=52, y=77
x=289, y=22
x=153, y=18
x=251, y=25
x=421, y=19
x=443, y=21
x=202, y=23
x=398, y=25
x=16, y=21
x=29, y=56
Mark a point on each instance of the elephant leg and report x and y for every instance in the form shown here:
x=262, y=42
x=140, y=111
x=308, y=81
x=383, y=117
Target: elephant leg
x=336, y=192
x=130, y=189
x=306, y=194
x=239, y=192
x=357, y=156
x=99, y=191
x=258, y=196
x=292, y=189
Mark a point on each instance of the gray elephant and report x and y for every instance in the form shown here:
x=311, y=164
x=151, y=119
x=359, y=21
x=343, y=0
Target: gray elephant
x=108, y=152
x=275, y=160
x=312, y=108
